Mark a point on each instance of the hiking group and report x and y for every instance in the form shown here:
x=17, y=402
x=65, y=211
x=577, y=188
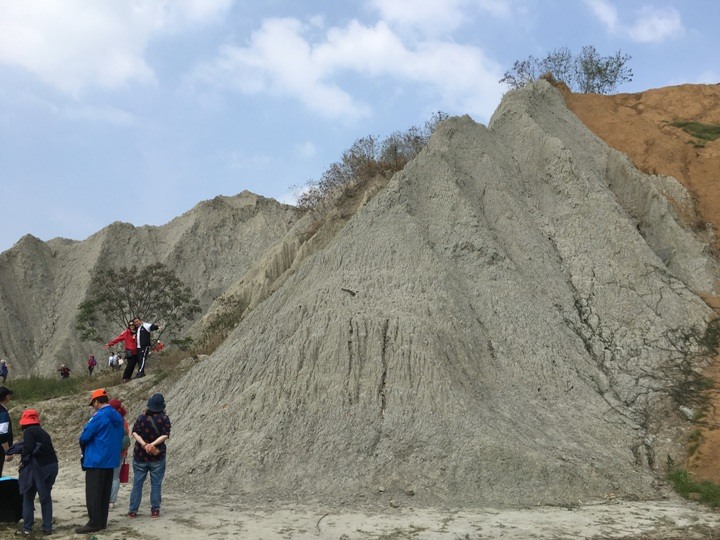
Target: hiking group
x=137, y=342
x=104, y=444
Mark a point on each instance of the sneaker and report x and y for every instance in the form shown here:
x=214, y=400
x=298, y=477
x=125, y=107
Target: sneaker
x=47, y=533
x=155, y=512
x=132, y=514
x=112, y=505
x=23, y=532
x=139, y=375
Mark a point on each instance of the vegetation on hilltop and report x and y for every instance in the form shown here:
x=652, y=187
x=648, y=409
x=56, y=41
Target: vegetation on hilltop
x=587, y=72
x=367, y=157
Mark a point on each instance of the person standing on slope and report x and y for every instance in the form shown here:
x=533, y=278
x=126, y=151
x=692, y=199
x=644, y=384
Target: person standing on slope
x=91, y=363
x=3, y=371
x=129, y=340
x=143, y=343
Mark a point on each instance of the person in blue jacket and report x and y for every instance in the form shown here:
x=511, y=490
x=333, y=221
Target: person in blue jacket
x=100, y=442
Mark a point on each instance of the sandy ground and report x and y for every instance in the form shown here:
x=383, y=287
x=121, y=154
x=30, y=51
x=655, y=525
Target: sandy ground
x=208, y=517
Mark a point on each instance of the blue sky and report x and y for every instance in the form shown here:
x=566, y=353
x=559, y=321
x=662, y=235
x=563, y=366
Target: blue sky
x=136, y=110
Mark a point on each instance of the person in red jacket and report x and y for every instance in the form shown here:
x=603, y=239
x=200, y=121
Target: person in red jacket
x=127, y=336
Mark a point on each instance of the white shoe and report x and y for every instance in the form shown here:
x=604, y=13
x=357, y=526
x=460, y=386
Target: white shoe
x=112, y=505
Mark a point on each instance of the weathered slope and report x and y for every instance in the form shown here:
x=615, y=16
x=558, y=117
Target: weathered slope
x=639, y=125
x=41, y=284
x=481, y=332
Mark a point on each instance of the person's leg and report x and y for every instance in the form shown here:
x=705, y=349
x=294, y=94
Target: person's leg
x=28, y=509
x=140, y=471
x=115, y=485
x=49, y=473
x=107, y=477
x=142, y=358
x=157, y=473
x=93, y=497
x=129, y=367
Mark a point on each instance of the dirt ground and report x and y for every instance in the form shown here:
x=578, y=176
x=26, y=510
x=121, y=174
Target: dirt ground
x=192, y=516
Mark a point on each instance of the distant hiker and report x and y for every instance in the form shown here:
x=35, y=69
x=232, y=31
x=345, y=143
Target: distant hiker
x=3, y=371
x=143, y=343
x=38, y=470
x=128, y=338
x=150, y=431
x=64, y=371
x=113, y=361
x=6, y=434
x=100, y=442
x=118, y=406
x=91, y=363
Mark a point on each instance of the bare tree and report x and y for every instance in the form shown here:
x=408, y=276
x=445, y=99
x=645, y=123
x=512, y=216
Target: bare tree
x=588, y=72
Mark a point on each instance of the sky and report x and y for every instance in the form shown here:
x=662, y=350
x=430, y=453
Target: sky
x=137, y=110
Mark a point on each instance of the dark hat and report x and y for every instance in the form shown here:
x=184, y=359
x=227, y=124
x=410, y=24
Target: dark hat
x=4, y=391
x=156, y=403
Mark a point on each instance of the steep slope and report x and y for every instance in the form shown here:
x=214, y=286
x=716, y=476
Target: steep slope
x=640, y=125
x=41, y=284
x=491, y=328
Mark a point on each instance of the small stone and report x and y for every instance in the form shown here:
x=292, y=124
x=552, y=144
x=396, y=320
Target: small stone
x=394, y=504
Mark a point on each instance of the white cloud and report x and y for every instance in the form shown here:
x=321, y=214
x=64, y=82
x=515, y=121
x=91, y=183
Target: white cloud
x=606, y=12
x=281, y=60
x=652, y=24
x=435, y=17
x=655, y=25
x=78, y=43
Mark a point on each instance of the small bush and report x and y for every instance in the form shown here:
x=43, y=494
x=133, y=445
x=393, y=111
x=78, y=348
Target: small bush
x=705, y=492
x=704, y=132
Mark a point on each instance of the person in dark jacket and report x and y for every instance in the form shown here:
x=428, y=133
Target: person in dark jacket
x=142, y=335
x=100, y=442
x=6, y=434
x=38, y=470
x=150, y=431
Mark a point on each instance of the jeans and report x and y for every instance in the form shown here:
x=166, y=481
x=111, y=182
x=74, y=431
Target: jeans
x=48, y=473
x=140, y=471
x=115, y=484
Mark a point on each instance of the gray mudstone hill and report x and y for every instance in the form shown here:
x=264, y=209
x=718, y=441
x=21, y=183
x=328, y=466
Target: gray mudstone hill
x=499, y=324
x=43, y=283
x=513, y=319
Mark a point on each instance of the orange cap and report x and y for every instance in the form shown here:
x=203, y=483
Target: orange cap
x=29, y=417
x=100, y=392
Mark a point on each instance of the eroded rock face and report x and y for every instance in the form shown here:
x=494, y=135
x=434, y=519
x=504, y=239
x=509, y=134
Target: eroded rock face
x=491, y=328
x=43, y=283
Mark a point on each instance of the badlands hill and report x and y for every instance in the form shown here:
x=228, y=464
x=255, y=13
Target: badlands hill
x=515, y=318
x=43, y=283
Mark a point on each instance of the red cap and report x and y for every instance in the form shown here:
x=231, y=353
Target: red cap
x=29, y=417
x=118, y=406
x=100, y=392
